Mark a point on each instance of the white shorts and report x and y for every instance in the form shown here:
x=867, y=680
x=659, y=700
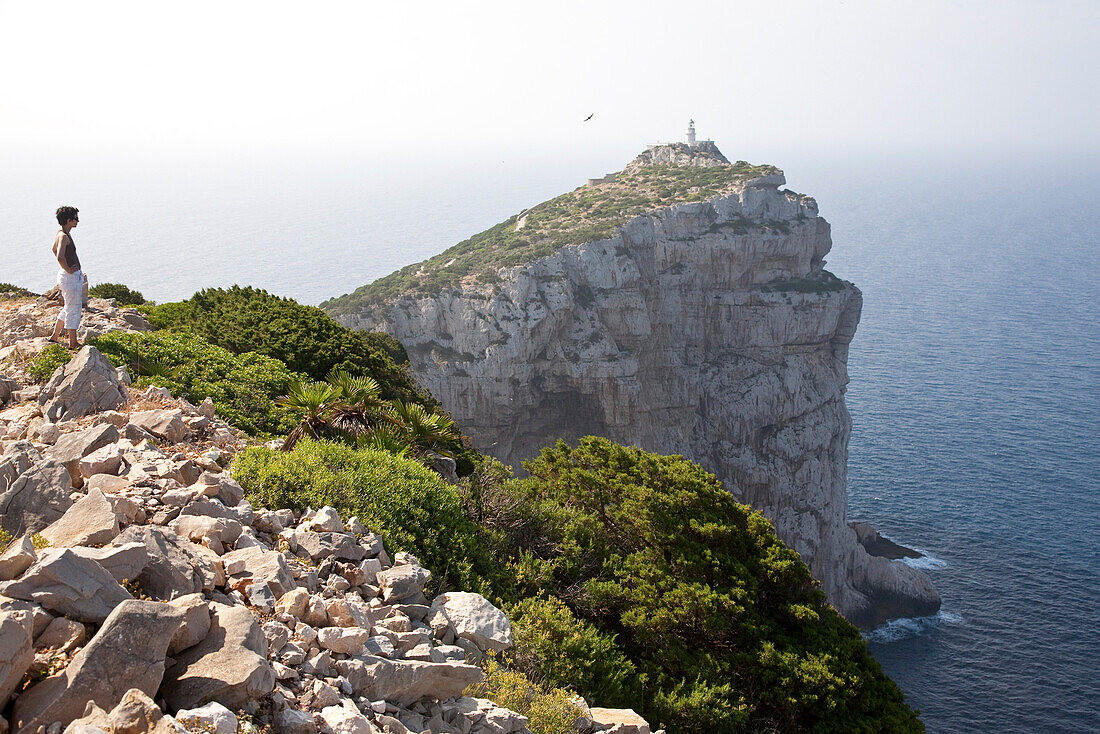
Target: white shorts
x=71, y=285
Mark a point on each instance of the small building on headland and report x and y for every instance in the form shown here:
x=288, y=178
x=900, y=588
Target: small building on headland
x=689, y=139
x=609, y=178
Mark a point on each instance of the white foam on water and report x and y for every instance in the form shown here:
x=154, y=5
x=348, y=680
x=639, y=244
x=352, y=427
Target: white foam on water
x=900, y=629
x=925, y=562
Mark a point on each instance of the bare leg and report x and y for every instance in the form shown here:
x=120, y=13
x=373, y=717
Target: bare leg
x=57, y=327
x=73, y=343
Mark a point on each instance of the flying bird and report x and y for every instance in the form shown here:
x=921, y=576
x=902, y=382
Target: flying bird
x=589, y=117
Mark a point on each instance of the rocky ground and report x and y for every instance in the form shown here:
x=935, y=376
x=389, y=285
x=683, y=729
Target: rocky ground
x=141, y=592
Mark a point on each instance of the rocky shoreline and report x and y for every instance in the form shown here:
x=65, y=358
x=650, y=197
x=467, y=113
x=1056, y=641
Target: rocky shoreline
x=140, y=591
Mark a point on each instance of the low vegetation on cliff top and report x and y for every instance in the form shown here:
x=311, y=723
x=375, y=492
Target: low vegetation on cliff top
x=583, y=215
x=633, y=578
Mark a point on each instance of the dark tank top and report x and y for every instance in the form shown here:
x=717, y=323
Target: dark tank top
x=72, y=262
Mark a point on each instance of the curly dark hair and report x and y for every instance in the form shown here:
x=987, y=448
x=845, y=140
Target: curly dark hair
x=65, y=213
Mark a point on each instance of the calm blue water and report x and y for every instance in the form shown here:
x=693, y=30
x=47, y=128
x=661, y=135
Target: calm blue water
x=975, y=387
x=975, y=400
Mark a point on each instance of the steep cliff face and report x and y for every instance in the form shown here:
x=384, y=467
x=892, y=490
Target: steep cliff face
x=704, y=328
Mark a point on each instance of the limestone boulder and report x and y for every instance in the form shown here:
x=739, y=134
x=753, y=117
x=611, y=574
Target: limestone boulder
x=263, y=566
x=136, y=713
x=16, y=458
x=127, y=652
x=106, y=483
x=16, y=649
x=91, y=521
x=40, y=618
x=229, y=666
x=124, y=562
x=17, y=558
x=165, y=424
x=320, y=546
x=7, y=387
x=214, y=532
x=405, y=681
x=70, y=448
x=65, y=583
x=625, y=721
x=176, y=565
x=36, y=498
x=343, y=640
x=403, y=582
x=327, y=519
x=294, y=603
x=345, y=721
x=196, y=622
x=104, y=460
x=484, y=715
x=62, y=634
x=87, y=384
x=475, y=619
x=92, y=721
x=213, y=718
x=293, y=721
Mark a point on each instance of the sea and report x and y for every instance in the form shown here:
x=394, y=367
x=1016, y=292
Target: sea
x=975, y=373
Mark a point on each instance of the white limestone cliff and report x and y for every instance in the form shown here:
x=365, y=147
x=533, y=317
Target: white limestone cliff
x=707, y=329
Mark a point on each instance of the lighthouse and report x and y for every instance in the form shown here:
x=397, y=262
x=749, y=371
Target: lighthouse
x=691, y=134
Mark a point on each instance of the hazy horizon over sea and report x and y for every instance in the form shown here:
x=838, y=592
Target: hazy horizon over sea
x=975, y=371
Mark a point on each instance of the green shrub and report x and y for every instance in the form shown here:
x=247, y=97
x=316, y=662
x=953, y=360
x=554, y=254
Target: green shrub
x=42, y=367
x=554, y=647
x=820, y=282
x=19, y=291
x=723, y=621
x=244, y=387
x=305, y=338
x=410, y=506
x=549, y=710
x=123, y=295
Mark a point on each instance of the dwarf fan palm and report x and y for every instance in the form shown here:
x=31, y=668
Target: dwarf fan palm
x=318, y=401
x=360, y=402
x=420, y=430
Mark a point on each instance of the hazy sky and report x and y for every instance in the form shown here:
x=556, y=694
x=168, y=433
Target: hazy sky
x=370, y=76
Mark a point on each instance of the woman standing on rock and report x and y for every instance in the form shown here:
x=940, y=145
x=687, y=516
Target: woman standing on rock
x=69, y=278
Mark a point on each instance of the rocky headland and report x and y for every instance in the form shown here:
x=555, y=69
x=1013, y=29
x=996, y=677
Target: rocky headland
x=141, y=592
x=682, y=307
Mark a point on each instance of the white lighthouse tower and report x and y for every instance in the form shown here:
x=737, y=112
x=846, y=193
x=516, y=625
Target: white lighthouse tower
x=691, y=134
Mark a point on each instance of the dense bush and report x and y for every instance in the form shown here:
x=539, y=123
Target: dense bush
x=244, y=387
x=410, y=506
x=305, y=338
x=123, y=295
x=46, y=362
x=723, y=620
x=554, y=647
x=647, y=585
